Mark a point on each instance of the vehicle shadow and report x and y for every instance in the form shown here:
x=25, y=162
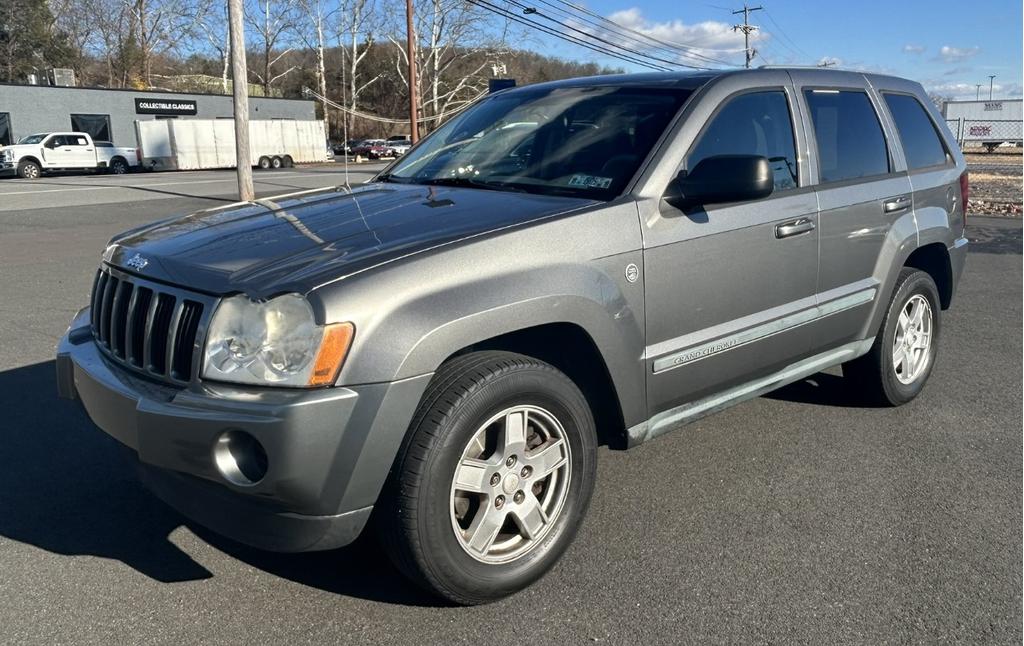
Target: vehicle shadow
x=822, y=389
x=65, y=487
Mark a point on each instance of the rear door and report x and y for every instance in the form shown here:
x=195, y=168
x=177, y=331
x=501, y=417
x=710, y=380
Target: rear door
x=863, y=193
x=83, y=151
x=726, y=284
x=934, y=175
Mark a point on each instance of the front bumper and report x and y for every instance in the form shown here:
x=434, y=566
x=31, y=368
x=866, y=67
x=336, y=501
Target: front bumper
x=328, y=450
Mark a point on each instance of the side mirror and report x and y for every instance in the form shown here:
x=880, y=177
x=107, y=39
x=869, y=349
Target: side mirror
x=722, y=178
x=50, y=143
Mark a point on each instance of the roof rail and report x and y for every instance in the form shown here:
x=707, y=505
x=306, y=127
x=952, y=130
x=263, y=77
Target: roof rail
x=798, y=67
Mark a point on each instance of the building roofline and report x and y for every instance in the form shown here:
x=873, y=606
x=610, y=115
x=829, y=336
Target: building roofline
x=134, y=91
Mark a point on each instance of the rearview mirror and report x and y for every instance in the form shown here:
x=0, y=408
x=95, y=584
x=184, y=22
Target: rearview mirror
x=722, y=178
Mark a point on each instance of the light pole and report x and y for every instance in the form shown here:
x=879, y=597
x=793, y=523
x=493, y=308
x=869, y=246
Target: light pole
x=977, y=91
x=410, y=46
x=991, y=77
x=240, y=101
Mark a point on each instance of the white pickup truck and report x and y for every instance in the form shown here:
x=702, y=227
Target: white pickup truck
x=39, y=153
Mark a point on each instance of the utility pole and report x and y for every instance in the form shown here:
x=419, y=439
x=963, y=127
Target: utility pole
x=240, y=102
x=991, y=77
x=410, y=47
x=747, y=29
x=977, y=91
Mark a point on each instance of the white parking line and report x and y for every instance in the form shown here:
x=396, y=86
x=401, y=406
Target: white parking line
x=147, y=185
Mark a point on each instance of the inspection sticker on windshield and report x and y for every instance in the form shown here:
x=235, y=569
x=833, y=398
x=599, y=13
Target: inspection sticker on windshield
x=590, y=181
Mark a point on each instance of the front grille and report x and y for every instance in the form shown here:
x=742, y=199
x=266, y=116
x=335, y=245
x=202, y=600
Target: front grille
x=150, y=327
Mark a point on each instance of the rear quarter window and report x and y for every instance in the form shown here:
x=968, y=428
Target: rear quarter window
x=849, y=135
x=921, y=143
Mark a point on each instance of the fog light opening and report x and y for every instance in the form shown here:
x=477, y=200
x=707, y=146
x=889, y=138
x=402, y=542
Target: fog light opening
x=240, y=458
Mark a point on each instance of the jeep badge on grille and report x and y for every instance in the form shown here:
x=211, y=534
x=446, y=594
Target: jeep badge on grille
x=136, y=262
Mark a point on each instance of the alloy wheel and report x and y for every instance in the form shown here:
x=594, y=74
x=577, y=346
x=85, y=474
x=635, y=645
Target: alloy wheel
x=911, y=351
x=510, y=484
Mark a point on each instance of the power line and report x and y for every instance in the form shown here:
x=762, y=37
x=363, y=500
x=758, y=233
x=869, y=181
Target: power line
x=796, y=49
x=625, y=33
x=587, y=34
x=551, y=32
x=747, y=29
x=659, y=41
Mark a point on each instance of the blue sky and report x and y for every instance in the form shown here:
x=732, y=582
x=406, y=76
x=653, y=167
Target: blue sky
x=948, y=46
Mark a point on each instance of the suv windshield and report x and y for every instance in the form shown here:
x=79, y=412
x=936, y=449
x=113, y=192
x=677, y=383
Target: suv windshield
x=33, y=139
x=577, y=141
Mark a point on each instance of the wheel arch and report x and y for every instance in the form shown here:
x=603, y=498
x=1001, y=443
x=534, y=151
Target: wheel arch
x=30, y=158
x=568, y=347
x=933, y=259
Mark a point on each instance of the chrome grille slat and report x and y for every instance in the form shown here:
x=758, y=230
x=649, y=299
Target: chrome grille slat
x=117, y=317
x=147, y=343
x=105, y=306
x=172, y=337
x=148, y=326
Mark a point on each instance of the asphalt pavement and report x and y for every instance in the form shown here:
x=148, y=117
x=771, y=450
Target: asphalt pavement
x=799, y=517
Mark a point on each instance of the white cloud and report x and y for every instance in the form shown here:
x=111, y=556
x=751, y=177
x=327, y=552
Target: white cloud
x=949, y=54
x=913, y=49
x=968, y=91
x=712, y=39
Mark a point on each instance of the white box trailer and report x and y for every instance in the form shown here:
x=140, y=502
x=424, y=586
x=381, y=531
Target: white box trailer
x=196, y=144
x=985, y=123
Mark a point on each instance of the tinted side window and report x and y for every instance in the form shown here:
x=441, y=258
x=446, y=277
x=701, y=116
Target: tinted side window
x=850, y=139
x=921, y=144
x=757, y=123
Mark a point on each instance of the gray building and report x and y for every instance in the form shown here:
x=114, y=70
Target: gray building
x=110, y=115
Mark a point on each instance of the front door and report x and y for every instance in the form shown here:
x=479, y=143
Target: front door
x=728, y=286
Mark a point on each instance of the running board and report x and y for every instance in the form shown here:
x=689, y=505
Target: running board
x=675, y=417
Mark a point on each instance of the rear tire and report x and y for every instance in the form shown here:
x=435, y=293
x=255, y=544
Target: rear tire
x=492, y=425
x=276, y=163
x=901, y=359
x=118, y=167
x=29, y=170
x=263, y=163
x=287, y=161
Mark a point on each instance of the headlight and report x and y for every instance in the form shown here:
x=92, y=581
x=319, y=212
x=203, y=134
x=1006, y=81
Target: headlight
x=275, y=343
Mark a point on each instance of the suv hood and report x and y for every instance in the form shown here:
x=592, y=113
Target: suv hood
x=299, y=241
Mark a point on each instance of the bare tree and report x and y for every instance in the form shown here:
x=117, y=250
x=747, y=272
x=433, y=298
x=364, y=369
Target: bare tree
x=163, y=26
x=319, y=14
x=274, y=26
x=356, y=27
x=451, y=72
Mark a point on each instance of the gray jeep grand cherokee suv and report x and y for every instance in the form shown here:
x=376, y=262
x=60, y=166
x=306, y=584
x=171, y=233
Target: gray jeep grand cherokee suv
x=441, y=350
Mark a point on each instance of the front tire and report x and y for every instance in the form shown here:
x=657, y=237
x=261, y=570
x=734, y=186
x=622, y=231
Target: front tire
x=29, y=170
x=901, y=359
x=493, y=479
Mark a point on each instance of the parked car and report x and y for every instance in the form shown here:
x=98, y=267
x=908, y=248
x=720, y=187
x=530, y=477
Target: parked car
x=398, y=147
x=446, y=347
x=371, y=148
x=36, y=154
x=399, y=137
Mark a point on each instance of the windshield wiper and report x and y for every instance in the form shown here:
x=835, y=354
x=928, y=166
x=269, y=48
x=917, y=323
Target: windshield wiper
x=469, y=182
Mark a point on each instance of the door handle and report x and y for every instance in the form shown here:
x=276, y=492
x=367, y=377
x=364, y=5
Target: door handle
x=794, y=228
x=896, y=204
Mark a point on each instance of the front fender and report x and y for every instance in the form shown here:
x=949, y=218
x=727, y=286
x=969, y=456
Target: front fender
x=413, y=314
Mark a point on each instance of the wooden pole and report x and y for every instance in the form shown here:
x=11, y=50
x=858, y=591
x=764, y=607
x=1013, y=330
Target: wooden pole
x=240, y=87
x=410, y=36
